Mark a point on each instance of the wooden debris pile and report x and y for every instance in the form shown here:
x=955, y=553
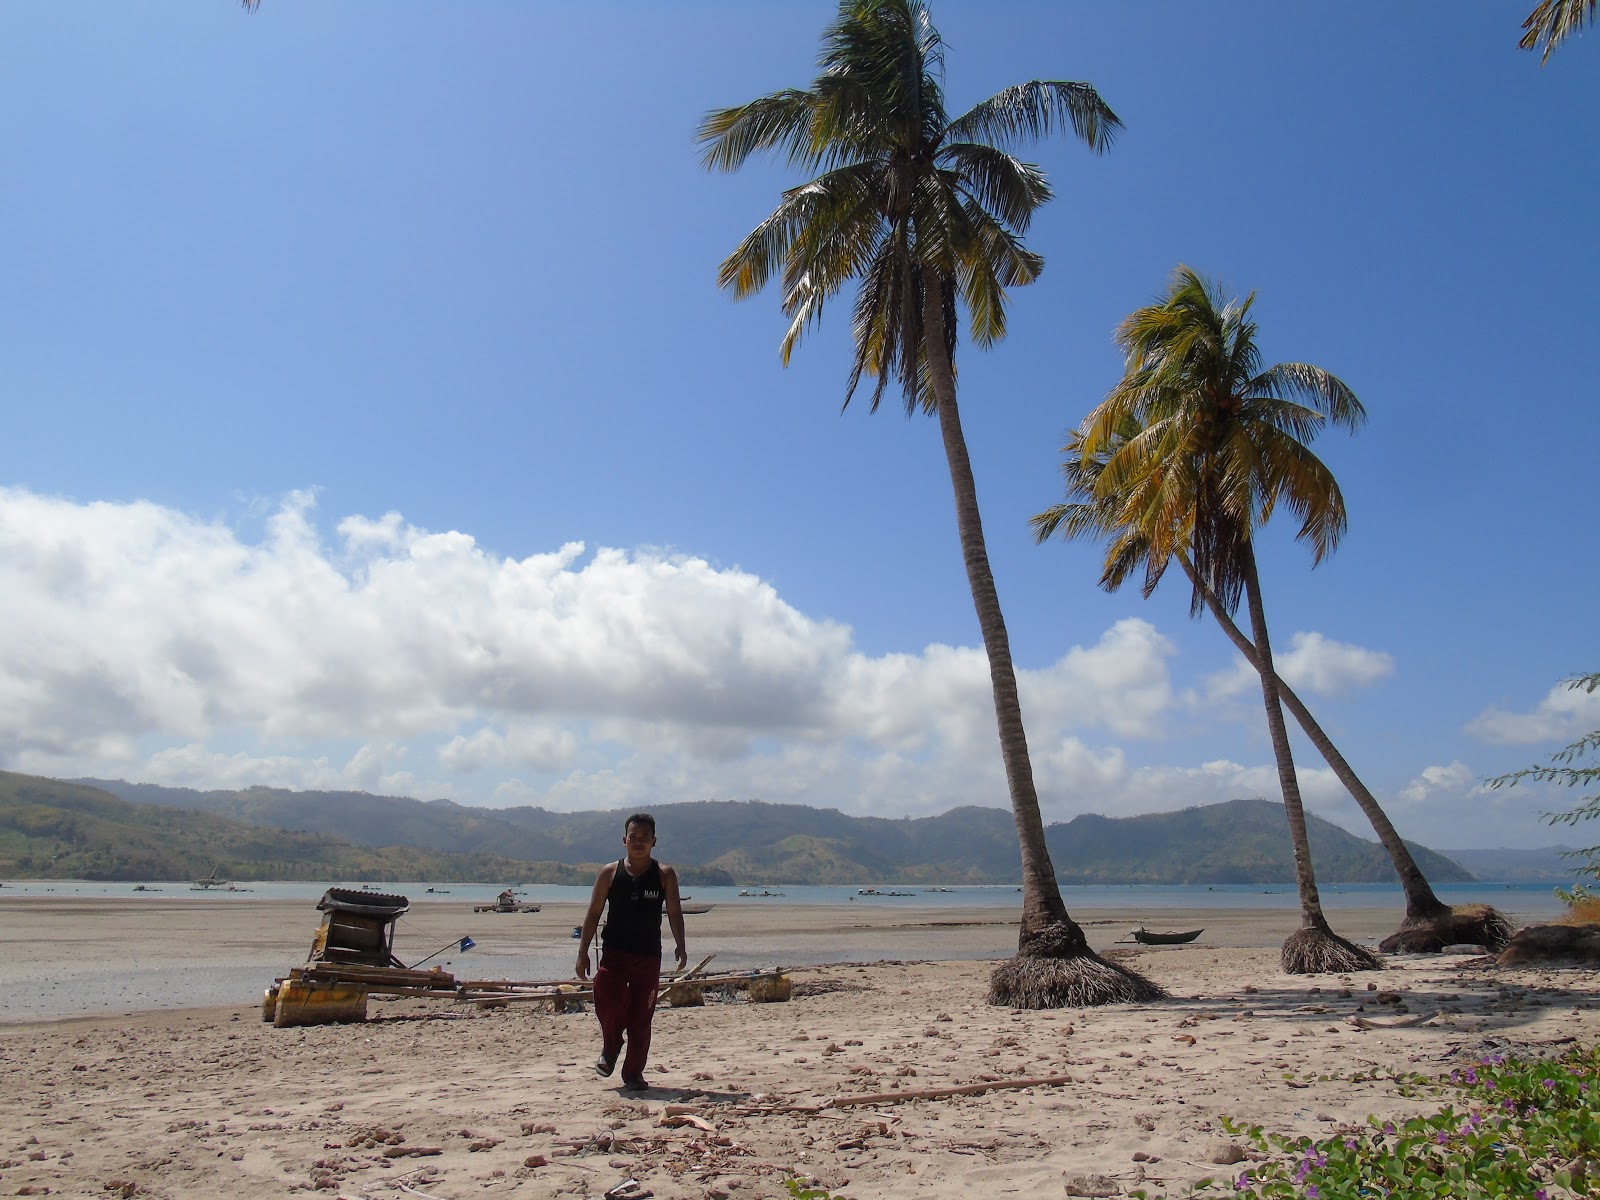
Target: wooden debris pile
x=328, y=991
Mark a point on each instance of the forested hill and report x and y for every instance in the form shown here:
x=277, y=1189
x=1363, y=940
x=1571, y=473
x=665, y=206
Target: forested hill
x=55, y=830
x=735, y=842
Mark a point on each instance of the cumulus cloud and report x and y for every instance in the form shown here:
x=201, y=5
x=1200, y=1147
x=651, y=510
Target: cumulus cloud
x=1563, y=715
x=150, y=644
x=1454, y=779
x=1312, y=665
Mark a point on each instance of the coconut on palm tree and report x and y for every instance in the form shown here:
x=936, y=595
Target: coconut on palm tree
x=1198, y=444
x=924, y=213
x=1429, y=924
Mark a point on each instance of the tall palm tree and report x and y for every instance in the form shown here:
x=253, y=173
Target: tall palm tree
x=1201, y=443
x=1553, y=22
x=924, y=213
x=1429, y=924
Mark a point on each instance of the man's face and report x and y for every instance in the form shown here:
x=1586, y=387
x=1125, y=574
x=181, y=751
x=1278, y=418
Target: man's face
x=638, y=839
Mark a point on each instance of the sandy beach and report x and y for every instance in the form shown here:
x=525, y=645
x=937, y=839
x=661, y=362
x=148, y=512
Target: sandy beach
x=126, y=1074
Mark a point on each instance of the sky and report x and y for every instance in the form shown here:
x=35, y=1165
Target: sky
x=373, y=419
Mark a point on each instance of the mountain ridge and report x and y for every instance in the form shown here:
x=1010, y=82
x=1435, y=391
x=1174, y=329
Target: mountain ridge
x=757, y=842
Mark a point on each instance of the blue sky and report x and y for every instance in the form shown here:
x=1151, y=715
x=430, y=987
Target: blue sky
x=373, y=418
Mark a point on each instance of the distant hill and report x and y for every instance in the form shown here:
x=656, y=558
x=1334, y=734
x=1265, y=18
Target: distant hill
x=1546, y=864
x=753, y=842
x=1240, y=841
x=55, y=830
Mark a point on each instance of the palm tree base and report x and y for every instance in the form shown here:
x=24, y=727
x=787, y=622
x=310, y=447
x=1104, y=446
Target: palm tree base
x=1464, y=925
x=1313, y=951
x=1056, y=969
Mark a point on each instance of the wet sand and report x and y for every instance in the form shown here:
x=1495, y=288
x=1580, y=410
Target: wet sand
x=78, y=956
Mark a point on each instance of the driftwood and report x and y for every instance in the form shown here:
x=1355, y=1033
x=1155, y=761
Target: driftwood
x=1402, y=1023
x=939, y=1093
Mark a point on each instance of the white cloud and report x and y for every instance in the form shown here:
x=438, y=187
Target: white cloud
x=1454, y=779
x=1563, y=715
x=151, y=645
x=1312, y=665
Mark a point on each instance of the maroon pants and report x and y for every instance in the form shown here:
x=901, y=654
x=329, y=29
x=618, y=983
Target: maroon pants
x=625, y=989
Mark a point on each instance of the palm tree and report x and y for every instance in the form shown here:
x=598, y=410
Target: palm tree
x=1553, y=22
x=1429, y=924
x=1199, y=445
x=923, y=211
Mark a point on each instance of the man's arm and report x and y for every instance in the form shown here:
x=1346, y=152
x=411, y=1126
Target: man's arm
x=669, y=885
x=591, y=919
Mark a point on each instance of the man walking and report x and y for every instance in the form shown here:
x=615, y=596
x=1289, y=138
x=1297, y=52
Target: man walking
x=637, y=888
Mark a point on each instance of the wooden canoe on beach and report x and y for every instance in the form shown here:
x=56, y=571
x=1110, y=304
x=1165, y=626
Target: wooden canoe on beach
x=1147, y=938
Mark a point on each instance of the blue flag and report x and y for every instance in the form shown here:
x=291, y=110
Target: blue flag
x=467, y=943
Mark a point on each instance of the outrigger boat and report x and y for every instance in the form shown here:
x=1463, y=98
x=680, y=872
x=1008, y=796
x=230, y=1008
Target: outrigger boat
x=212, y=884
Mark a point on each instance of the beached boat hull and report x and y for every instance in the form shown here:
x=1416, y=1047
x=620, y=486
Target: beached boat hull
x=1165, y=939
x=294, y=1002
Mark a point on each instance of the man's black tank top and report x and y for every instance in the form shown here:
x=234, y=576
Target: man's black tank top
x=633, y=918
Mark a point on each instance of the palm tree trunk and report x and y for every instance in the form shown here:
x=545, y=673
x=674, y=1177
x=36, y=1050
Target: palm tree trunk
x=1421, y=903
x=1042, y=905
x=1310, y=902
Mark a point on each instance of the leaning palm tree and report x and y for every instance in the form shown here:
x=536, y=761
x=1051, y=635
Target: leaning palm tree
x=1553, y=22
x=924, y=213
x=1429, y=924
x=1201, y=444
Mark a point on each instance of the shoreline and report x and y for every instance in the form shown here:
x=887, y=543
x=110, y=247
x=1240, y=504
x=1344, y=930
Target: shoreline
x=68, y=957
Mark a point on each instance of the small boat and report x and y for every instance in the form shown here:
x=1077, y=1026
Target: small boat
x=1146, y=937
x=762, y=892
x=690, y=910
x=139, y=887
x=438, y=891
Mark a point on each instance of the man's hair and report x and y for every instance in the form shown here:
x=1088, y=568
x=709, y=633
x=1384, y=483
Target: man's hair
x=644, y=819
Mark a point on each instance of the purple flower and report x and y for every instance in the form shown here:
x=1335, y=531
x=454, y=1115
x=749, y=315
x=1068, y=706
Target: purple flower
x=1549, y=1083
x=1349, y=1143
x=1388, y=1127
x=1313, y=1192
x=1441, y=1137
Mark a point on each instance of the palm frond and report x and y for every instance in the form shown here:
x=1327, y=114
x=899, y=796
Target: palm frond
x=1031, y=111
x=840, y=203
x=880, y=62
x=781, y=121
x=1553, y=22
x=1325, y=392
x=1010, y=189
x=991, y=261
